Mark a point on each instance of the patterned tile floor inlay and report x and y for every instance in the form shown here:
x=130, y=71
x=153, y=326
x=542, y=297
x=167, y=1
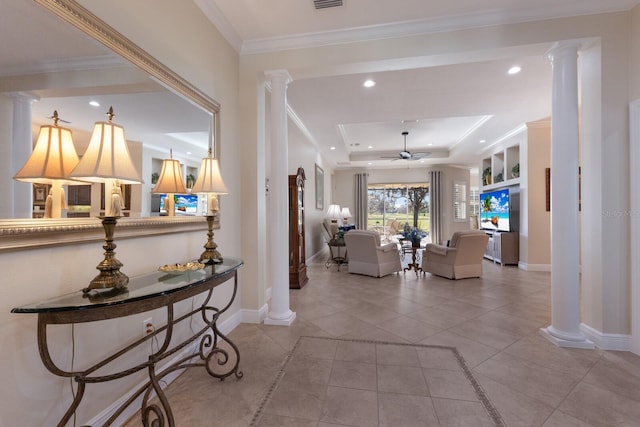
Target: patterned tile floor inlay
x=364, y=382
x=492, y=321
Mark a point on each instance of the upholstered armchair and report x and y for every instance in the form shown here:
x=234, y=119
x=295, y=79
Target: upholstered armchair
x=461, y=259
x=367, y=256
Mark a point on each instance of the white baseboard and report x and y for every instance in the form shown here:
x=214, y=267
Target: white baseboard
x=224, y=327
x=617, y=342
x=322, y=254
x=534, y=267
x=255, y=316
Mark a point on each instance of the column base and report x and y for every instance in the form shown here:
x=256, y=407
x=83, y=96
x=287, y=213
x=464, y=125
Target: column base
x=280, y=320
x=564, y=340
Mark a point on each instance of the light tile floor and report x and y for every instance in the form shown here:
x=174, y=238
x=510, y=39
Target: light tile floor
x=492, y=321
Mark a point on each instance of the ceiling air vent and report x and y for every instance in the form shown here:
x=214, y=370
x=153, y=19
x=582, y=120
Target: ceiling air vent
x=323, y=4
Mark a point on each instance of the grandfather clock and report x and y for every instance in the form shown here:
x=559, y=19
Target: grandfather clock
x=297, y=259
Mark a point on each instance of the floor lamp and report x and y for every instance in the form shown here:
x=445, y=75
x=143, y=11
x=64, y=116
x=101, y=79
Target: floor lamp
x=107, y=160
x=210, y=182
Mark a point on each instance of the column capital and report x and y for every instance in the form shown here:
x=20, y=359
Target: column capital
x=565, y=47
x=23, y=96
x=278, y=75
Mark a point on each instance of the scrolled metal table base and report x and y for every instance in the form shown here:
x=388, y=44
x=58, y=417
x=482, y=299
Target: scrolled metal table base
x=219, y=362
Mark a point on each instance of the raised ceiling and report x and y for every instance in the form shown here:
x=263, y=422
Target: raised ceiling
x=447, y=109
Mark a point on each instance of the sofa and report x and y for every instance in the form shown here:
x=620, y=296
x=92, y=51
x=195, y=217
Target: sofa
x=367, y=256
x=461, y=259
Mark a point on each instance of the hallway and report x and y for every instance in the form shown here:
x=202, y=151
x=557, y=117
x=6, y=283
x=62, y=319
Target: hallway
x=493, y=322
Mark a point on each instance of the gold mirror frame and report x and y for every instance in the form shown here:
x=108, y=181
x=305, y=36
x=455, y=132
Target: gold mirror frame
x=16, y=234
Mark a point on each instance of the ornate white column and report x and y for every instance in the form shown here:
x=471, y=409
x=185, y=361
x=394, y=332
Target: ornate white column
x=564, y=330
x=22, y=145
x=280, y=313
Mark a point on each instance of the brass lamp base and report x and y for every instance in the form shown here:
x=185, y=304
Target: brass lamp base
x=211, y=254
x=110, y=275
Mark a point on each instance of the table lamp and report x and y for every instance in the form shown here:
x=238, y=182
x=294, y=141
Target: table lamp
x=345, y=213
x=107, y=160
x=334, y=214
x=170, y=182
x=51, y=161
x=210, y=182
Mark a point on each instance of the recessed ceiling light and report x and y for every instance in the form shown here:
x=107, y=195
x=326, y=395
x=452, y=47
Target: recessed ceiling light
x=369, y=163
x=482, y=141
x=332, y=148
x=94, y=103
x=431, y=144
x=189, y=153
x=369, y=83
x=514, y=70
x=370, y=147
x=421, y=161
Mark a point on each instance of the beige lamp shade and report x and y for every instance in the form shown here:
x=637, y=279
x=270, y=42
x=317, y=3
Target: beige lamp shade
x=334, y=212
x=53, y=158
x=345, y=213
x=209, y=178
x=107, y=157
x=170, y=179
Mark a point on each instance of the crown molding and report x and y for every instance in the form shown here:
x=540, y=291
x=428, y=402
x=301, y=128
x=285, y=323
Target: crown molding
x=414, y=27
x=215, y=15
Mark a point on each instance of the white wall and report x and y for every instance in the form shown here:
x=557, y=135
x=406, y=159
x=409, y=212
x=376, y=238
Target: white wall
x=303, y=153
x=179, y=36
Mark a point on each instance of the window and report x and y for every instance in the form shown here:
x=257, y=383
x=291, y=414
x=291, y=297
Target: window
x=459, y=201
x=405, y=203
x=474, y=201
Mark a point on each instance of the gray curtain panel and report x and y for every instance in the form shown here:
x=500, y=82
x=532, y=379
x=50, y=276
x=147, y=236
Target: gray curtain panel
x=435, y=189
x=362, y=200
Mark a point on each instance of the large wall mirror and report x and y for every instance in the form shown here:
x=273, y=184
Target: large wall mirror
x=58, y=56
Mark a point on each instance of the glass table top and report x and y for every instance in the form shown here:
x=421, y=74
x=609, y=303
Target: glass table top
x=140, y=287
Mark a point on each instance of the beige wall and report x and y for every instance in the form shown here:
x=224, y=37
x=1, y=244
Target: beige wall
x=184, y=40
x=535, y=221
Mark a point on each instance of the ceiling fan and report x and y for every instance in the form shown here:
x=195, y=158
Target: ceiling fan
x=407, y=155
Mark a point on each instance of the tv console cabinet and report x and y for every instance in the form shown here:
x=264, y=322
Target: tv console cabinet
x=147, y=292
x=503, y=247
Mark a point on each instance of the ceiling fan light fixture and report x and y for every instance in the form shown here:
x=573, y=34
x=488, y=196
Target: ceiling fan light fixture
x=369, y=83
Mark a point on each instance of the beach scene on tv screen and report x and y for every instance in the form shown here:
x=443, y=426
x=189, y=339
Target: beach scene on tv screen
x=494, y=210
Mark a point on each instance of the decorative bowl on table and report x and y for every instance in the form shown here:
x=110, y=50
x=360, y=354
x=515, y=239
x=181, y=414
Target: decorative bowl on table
x=181, y=268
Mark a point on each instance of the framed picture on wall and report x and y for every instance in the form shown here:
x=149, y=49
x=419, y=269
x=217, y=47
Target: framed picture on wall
x=319, y=188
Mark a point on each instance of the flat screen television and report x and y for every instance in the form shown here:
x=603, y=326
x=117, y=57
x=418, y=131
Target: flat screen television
x=185, y=203
x=494, y=210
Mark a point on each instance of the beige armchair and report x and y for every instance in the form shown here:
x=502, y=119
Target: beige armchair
x=461, y=259
x=367, y=256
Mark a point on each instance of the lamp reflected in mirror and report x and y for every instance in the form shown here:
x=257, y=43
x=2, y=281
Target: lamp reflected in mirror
x=170, y=182
x=107, y=160
x=50, y=163
x=210, y=182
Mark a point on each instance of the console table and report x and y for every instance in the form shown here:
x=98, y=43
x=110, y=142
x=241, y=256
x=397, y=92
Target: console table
x=145, y=293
